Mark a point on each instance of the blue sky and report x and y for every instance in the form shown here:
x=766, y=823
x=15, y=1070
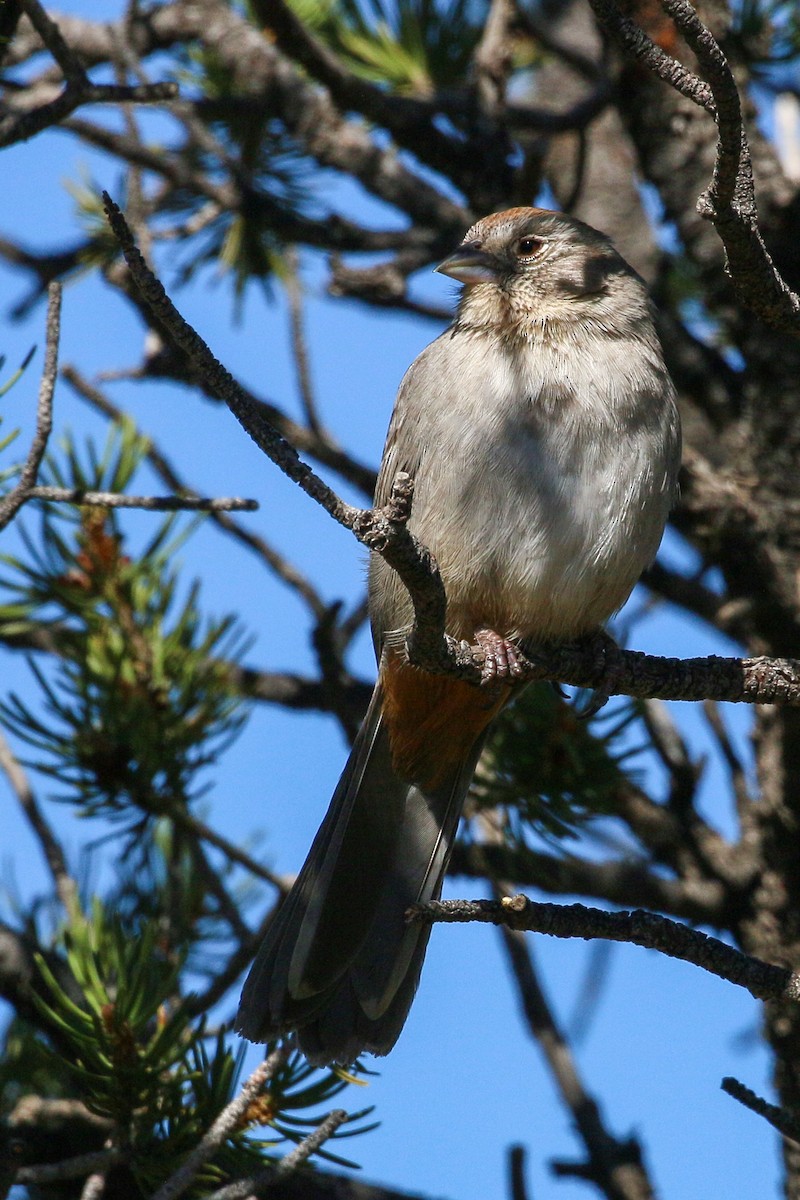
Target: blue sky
x=464, y=1082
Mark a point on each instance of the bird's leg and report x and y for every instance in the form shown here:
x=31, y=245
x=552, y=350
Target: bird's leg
x=500, y=658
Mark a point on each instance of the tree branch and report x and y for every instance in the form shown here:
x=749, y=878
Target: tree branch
x=786, y=1123
x=763, y=980
x=229, y=1119
x=729, y=202
x=149, y=503
x=65, y=885
x=10, y=504
x=614, y=1166
x=19, y=127
x=740, y=680
x=384, y=531
x=264, y=1181
x=628, y=882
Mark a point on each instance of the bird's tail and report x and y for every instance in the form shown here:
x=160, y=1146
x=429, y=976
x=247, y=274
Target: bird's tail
x=340, y=964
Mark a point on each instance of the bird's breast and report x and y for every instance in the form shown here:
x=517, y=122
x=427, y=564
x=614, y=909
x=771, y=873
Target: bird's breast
x=544, y=479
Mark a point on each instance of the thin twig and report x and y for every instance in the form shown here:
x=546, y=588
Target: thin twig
x=66, y=887
x=11, y=503
x=729, y=202
x=517, y=1188
x=22, y=126
x=258, y=1184
x=227, y=1121
x=194, y=825
x=294, y=294
x=51, y=35
x=614, y=1166
x=277, y=563
x=761, y=979
x=150, y=503
x=785, y=1122
x=309, y=1145
x=637, y=43
x=738, y=775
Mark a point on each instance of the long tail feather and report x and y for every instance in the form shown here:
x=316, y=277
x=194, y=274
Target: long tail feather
x=339, y=963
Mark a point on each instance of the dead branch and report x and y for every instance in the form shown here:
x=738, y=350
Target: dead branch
x=763, y=980
x=729, y=202
x=65, y=885
x=613, y=1165
x=786, y=1123
x=264, y=1181
x=148, y=503
x=78, y=89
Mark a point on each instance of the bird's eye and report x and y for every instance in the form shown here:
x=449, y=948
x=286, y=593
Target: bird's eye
x=528, y=246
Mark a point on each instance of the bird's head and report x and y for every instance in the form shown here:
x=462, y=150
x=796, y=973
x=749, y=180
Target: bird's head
x=529, y=267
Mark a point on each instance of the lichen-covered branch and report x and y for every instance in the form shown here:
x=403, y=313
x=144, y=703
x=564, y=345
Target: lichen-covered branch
x=763, y=980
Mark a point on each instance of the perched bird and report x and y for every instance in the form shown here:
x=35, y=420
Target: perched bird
x=543, y=438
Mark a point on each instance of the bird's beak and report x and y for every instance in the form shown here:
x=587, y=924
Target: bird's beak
x=469, y=264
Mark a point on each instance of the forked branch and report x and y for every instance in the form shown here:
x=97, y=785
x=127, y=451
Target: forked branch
x=729, y=201
x=385, y=531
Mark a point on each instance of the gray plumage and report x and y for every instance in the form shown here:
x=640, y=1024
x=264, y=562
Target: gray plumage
x=542, y=434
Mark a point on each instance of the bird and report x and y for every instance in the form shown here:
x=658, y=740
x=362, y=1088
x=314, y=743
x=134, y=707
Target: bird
x=542, y=435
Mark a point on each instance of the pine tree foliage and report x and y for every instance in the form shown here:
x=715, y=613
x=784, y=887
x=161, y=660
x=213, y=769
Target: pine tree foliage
x=350, y=143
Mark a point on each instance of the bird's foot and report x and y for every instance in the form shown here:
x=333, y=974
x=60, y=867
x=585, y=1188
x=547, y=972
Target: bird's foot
x=600, y=643
x=501, y=658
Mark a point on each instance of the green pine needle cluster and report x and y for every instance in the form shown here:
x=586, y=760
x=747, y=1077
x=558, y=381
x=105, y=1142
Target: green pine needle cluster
x=550, y=770
x=140, y=700
x=127, y=1047
x=410, y=46
x=134, y=706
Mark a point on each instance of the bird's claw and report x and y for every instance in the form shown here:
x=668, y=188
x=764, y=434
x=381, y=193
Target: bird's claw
x=501, y=663
x=600, y=642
